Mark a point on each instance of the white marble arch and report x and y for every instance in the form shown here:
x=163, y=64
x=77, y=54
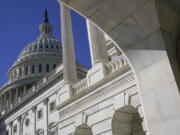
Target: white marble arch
x=141, y=30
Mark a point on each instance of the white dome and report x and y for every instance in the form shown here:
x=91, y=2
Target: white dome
x=37, y=58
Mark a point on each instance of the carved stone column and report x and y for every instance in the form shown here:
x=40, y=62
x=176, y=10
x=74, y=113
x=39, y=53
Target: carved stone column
x=34, y=113
x=97, y=44
x=46, y=116
x=99, y=56
x=69, y=63
x=20, y=124
x=10, y=99
x=5, y=101
x=2, y=106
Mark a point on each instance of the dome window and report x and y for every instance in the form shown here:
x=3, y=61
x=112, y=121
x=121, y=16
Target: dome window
x=47, y=67
x=20, y=71
x=26, y=70
x=40, y=68
x=54, y=66
x=33, y=69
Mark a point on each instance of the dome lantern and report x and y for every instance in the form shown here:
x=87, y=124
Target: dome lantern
x=46, y=28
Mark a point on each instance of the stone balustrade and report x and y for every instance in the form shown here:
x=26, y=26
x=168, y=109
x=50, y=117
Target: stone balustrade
x=80, y=86
x=117, y=64
x=112, y=66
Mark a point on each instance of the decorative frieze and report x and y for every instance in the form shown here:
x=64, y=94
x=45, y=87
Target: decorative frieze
x=98, y=94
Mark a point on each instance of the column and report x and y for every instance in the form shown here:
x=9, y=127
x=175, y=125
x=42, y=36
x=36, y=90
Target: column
x=5, y=101
x=10, y=130
x=46, y=115
x=23, y=71
x=69, y=64
x=24, y=90
x=99, y=56
x=17, y=96
x=34, y=113
x=29, y=70
x=20, y=125
x=2, y=103
x=10, y=98
x=97, y=44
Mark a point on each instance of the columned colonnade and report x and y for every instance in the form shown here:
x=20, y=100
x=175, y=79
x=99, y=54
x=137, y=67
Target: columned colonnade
x=97, y=47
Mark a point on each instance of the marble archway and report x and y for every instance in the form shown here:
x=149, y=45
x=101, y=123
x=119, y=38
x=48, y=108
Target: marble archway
x=139, y=29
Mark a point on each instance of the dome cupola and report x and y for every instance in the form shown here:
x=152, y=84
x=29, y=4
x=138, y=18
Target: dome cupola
x=38, y=58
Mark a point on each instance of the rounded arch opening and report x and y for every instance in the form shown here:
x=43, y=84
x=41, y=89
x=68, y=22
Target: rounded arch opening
x=127, y=121
x=83, y=130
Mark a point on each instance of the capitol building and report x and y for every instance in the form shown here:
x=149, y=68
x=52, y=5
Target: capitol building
x=132, y=87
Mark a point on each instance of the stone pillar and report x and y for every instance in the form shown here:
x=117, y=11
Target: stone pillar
x=23, y=71
x=5, y=101
x=20, y=125
x=2, y=103
x=17, y=97
x=99, y=56
x=24, y=90
x=29, y=70
x=10, y=99
x=34, y=113
x=69, y=64
x=10, y=128
x=46, y=115
x=97, y=44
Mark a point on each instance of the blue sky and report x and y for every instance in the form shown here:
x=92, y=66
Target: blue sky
x=19, y=22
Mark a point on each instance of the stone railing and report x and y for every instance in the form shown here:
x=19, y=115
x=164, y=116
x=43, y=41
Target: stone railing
x=80, y=86
x=112, y=66
x=117, y=64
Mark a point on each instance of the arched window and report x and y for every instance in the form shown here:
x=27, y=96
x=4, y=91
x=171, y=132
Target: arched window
x=33, y=69
x=40, y=68
x=47, y=67
x=52, y=46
